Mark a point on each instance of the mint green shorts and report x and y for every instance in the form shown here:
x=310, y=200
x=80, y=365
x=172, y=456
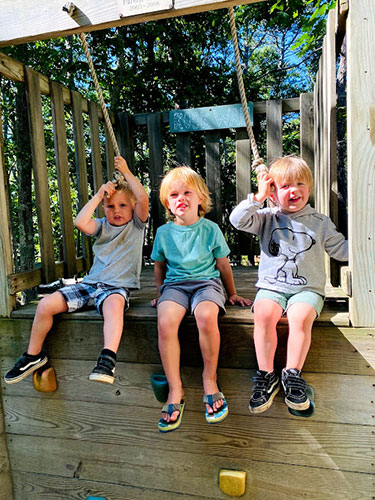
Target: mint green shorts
x=285, y=300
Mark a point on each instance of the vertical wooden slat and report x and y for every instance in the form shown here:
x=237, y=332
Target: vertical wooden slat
x=109, y=153
x=307, y=133
x=7, y=301
x=95, y=151
x=243, y=187
x=40, y=174
x=183, y=149
x=274, y=130
x=155, y=142
x=361, y=159
x=243, y=165
x=125, y=137
x=212, y=141
x=332, y=134
x=81, y=168
x=70, y=267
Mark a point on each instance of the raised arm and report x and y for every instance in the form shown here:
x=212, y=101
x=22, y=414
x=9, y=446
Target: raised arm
x=141, y=207
x=84, y=221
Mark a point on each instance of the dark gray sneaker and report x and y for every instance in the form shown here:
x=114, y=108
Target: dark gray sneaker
x=25, y=365
x=266, y=386
x=104, y=370
x=295, y=389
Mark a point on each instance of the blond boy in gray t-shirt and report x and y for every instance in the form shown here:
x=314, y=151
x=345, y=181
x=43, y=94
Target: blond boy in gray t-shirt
x=116, y=269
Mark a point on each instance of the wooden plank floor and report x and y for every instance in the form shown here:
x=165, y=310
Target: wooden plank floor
x=100, y=440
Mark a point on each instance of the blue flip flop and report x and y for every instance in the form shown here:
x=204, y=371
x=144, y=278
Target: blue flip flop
x=218, y=415
x=165, y=426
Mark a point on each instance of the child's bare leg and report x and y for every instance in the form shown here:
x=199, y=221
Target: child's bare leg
x=266, y=315
x=170, y=315
x=47, y=308
x=301, y=318
x=206, y=314
x=113, y=314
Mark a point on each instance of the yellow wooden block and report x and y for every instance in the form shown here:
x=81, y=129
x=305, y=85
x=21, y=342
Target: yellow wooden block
x=232, y=482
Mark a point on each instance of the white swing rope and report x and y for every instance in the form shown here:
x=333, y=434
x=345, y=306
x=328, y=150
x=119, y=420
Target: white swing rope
x=258, y=163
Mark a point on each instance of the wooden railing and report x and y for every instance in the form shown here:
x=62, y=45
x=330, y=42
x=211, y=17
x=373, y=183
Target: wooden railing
x=127, y=127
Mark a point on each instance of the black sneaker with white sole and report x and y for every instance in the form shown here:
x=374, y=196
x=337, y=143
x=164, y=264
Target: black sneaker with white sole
x=25, y=365
x=295, y=389
x=104, y=370
x=266, y=386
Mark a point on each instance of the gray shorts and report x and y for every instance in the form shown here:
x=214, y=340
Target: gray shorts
x=91, y=294
x=190, y=293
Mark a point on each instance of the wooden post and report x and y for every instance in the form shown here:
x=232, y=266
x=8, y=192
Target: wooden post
x=109, y=153
x=125, y=137
x=243, y=188
x=307, y=132
x=81, y=168
x=7, y=301
x=183, y=149
x=274, y=130
x=70, y=267
x=361, y=159
x=155, y=142
x=95, y=151
x=40, y=174
x=213, y=174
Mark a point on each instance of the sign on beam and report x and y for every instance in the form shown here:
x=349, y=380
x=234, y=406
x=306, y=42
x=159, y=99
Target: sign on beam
x=135, y=7
x=215, y=118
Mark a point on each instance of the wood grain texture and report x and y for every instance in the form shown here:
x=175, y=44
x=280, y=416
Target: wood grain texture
x=361, y=159
x=21, y=21
x=181, y=471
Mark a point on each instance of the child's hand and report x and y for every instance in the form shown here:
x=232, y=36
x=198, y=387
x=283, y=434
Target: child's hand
x=106, y=190
x=121, y=165
x=154, y=302
x=237, y=299
x=265, y=182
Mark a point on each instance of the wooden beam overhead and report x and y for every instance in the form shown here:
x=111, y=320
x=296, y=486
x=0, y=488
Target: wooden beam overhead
x=26, y=20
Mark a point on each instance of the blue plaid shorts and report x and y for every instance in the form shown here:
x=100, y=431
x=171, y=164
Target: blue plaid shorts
x=91, y=294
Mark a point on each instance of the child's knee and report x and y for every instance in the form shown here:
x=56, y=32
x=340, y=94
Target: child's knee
x=52, y=304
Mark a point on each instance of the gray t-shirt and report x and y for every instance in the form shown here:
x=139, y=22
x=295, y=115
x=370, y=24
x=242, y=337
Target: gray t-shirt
x=118, y=253
x=292, y=245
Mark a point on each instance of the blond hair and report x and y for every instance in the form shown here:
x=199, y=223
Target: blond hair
x=193, y=180
x=291, y=168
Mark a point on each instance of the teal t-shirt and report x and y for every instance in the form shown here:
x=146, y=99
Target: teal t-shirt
x=190, y=251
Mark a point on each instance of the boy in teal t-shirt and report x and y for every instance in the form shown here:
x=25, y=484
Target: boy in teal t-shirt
x=190, y=255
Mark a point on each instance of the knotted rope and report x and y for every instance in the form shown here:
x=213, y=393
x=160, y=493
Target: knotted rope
x=258, y=163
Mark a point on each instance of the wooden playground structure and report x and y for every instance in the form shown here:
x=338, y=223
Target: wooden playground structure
x=88, y=440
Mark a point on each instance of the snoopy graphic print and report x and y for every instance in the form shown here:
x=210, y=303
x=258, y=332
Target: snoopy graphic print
x=289, y=245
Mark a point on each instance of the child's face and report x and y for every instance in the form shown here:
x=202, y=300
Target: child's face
x=118, y=208
x=292, y=196
x=183, y=202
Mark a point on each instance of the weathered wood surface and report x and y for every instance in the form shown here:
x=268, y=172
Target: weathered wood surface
x=22, y=21
x=39, y=486
x=274, y=130
x=40, y=174
x=361, y=159
x=7, y=301
x=181, y=471
x=62, y=167
x=132, y=388
x=6, y=489
x=155, y=141
x=213, y=173
x=307, y=132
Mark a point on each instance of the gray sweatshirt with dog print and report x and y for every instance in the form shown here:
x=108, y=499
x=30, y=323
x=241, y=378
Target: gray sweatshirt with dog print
x=292, y=245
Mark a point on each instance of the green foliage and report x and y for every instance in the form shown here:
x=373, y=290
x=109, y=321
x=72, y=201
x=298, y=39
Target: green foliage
x=155, y=66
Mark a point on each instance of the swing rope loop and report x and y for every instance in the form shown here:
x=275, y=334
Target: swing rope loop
x=258, y=163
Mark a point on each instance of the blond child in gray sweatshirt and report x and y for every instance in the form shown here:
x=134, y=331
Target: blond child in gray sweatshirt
x=293, y=238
